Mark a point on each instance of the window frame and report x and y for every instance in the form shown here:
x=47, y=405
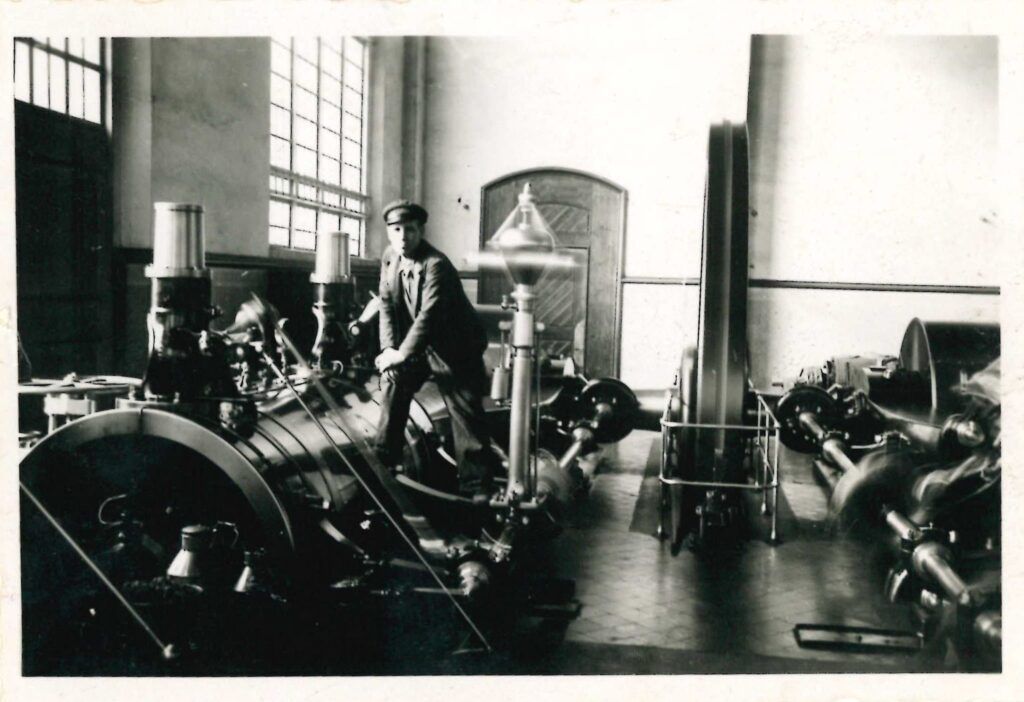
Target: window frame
x=102, y=68
x=287, y=184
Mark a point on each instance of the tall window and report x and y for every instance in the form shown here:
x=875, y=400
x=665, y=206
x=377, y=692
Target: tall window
x=63, y=74
x=317, y=137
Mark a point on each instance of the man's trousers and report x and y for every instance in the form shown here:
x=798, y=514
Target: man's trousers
x=462, y=389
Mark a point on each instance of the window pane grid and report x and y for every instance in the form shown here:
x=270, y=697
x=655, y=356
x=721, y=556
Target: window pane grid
x=66, y=75
x=299, y=188
x=317, y=136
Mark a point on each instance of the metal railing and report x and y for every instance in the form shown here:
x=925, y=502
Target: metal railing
x=765, y=445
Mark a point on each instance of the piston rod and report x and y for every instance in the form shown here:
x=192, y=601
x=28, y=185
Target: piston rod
x=832, y=447
x=930, y=559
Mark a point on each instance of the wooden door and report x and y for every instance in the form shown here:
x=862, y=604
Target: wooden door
x=579, y=307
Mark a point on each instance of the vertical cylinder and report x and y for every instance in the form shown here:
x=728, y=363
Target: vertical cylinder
x=332, y=261
x=522, y=392
x=178, y=241
x=331, y=309
x=180, y=287
x=499, y=384
x=519, y=432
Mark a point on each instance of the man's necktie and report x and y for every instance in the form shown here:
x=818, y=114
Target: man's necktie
x=406, y=273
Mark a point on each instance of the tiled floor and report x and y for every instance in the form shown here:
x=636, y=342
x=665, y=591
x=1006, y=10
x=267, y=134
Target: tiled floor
x=635, y=593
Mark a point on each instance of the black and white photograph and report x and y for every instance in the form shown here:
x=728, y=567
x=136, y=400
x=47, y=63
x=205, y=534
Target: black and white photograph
x=380, y=351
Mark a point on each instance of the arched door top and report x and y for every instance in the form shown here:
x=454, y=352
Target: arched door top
x=541, y=170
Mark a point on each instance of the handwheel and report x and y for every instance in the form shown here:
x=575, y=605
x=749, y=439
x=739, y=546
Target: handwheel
x=621, y=403
x=805, y=398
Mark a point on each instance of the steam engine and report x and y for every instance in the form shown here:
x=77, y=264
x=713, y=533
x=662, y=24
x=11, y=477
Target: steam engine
x=233, y=494
x=909, y=449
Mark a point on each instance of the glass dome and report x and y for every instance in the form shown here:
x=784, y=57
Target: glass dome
x=525, y=241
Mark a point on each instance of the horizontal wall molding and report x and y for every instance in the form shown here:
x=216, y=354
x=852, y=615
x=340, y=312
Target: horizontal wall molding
x=828, y=285
x=873, y=287
x=651, y=280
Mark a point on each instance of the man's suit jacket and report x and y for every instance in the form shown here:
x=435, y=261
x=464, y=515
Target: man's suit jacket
x=441, y=318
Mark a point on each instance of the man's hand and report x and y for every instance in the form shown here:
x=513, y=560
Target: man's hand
x=388, y=359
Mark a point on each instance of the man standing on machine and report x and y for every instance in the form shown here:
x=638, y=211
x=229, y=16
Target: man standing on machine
x=429, y=328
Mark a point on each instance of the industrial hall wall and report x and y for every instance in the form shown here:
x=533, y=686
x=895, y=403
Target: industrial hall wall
x=873, y=192
x=872, y=196
x=629, y=109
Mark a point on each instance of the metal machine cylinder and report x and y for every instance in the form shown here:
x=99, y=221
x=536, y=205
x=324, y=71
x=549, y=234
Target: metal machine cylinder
x=267, y=475
x=331, y=276
x=180, y=303
x=937, y=356
x=178, y=241
x=522, y=391
x=332, y=260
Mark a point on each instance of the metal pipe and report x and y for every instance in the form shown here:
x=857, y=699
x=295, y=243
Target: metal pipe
x=904, y=528
x=522, y=391
x=583, y=439
x=809, y=423
x=536, y=415
x=828, y=473
x=764, y=463
x=571, y=454
x=931, y=561
x=500, y=379
x=835, y=451
x=832, y=447
x=775, y=484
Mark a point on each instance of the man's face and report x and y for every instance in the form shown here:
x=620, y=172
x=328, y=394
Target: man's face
x=405, y=237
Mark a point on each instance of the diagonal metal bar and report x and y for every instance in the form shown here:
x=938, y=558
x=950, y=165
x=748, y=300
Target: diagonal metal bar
x=166, y=650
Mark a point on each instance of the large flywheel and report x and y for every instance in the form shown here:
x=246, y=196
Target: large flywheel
x=713, y=378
